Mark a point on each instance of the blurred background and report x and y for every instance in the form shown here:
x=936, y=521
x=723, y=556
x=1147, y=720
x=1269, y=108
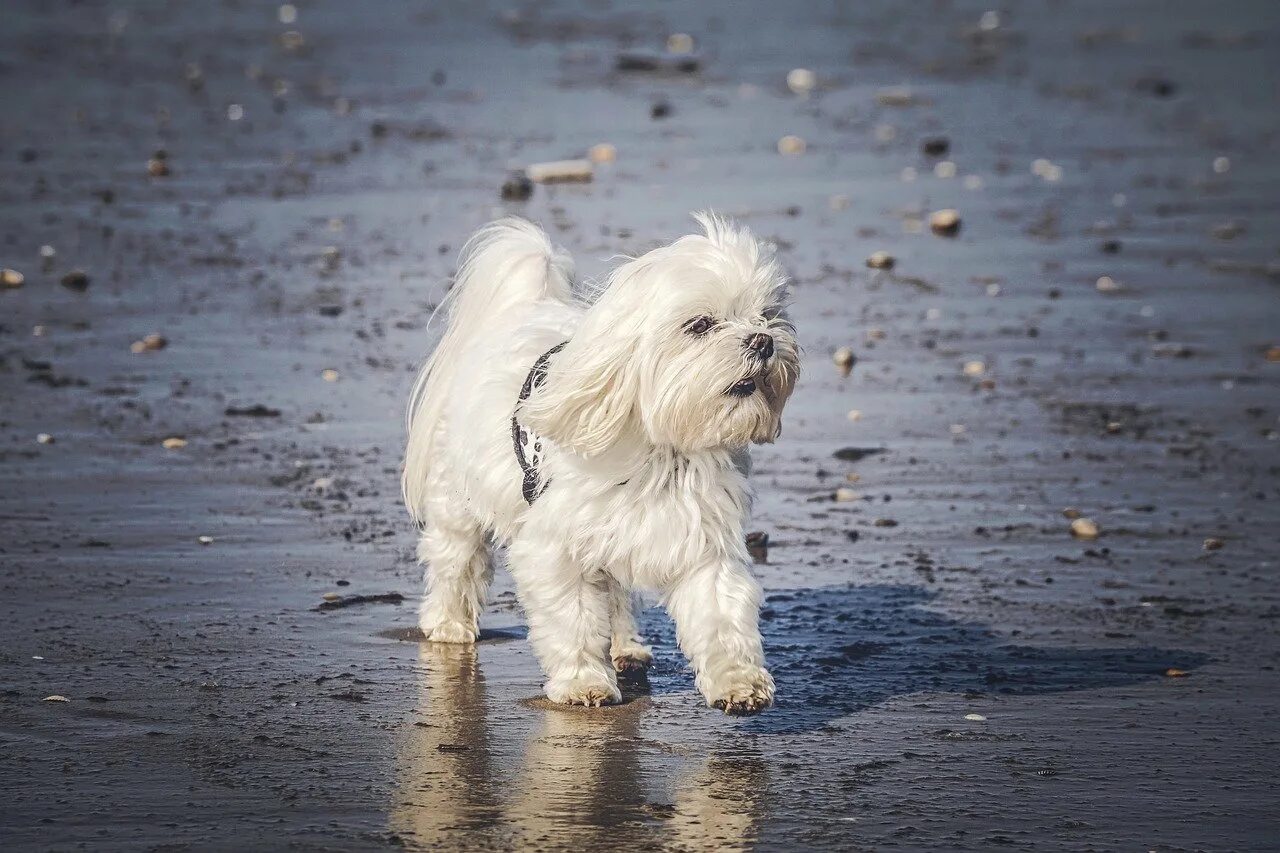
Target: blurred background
x=1019, y=539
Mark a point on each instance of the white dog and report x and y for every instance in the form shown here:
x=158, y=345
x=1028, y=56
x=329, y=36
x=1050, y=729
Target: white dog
x=602, y=437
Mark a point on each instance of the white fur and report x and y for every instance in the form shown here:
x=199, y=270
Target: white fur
x=644, y=451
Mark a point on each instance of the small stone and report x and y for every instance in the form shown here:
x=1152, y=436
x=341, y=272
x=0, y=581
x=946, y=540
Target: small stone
x=896, y=96
x=55, y=698
x=517, y=187
x=1107, y=284
x=329, y=375
x=1221, y=165
x=885, y=522
x=977, y=718
x=1272, y=354
x=801, y=81
x=76, y=280
x=1110, y=247
x=660, y=109
x=854, y=415
x=844, y=494
x=158, y=167
x=205, y=540
x=680, y=43
x=287, y=13
x=935, y=146
x=1071, y=513
x=1084, y=528
x=881, y=261
x=602, y=153
x=945, y=223
x=11, y=278
x=1174, y=672
x=791, y=146
x=1212, y=544
x=560, y=171
x=974, y=368
x=44, y=438
x=151, y=343
x=331, y=596
x=174, y=442
x=843, y=359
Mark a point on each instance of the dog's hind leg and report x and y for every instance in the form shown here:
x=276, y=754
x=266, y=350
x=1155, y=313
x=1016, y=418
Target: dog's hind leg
x=458, y=571
x=628, y=651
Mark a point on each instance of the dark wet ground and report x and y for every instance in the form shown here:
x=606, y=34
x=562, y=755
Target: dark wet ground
x=212, y=706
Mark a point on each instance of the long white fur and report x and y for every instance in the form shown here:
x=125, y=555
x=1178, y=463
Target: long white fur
x=644, y=449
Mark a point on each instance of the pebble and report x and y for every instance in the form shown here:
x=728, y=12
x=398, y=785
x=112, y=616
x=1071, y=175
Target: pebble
x=602, y=153
x=1084, y=528
x=55, y=698
x=1272, y=354
x=854, y=415
x=1212, y=544
x=44, y=438
x=1174, y=672
x=881, y=261
x=791, y=145
x=560, y=171
x=1071, y=513
x=974, y=368
x=843, y=359
x=1107, y=284
x=151, y=343
x=174, y=442
x=977, y=718
x=331, y=596
x=329, y=375
x=935, y=146
x=661, y=109
x=1221, y=165
x=944, y=169
x=844, y=494
x=76, y=280
x=158, y=167
x=896, y=96
x=517, y=187
x=11, y=278
x=680, y=43
x=801, y=80
x=205, y=540
x=945, y=223
x=287, y=14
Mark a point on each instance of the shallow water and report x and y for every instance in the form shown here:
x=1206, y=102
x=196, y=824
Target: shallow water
x=211, y=705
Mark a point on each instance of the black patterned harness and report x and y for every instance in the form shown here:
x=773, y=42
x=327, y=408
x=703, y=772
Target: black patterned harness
x=528, y=446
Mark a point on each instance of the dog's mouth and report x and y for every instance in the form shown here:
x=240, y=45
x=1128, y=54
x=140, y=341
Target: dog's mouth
x=742, y=388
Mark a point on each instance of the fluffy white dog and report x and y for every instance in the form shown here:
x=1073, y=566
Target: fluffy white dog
x=602, y=437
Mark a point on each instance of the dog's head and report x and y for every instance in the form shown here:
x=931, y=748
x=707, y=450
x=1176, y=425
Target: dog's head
x=687, y=346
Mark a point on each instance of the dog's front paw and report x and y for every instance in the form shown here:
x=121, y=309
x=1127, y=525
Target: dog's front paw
x=632, y=659
x=448, y=631
x=744, y=693
x=589, y=690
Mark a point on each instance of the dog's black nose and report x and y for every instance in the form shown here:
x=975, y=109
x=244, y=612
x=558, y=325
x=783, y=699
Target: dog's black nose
x=760, y=344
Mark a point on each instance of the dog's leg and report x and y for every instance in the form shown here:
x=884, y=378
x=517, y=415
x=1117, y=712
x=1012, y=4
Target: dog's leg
x=458, y=572
x=716, y=610
x=629, y=653
x=568, y=615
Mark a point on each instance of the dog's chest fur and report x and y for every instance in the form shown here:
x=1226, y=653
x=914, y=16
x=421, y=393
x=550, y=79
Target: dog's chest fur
x=672, y=513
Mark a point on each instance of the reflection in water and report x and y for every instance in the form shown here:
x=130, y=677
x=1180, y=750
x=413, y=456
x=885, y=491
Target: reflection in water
x=585, y=776
x=447, y=784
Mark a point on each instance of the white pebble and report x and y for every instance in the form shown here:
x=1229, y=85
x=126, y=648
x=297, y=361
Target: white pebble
x=977, y=718
x=801, y=81
x=235, y=112
x=1221, y=165
x=791, y=145
x=944, y=169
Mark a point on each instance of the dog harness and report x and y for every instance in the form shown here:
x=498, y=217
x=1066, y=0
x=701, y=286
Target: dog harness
x=527, y=445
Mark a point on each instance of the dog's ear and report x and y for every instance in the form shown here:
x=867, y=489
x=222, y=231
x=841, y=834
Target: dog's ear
x=587, y=403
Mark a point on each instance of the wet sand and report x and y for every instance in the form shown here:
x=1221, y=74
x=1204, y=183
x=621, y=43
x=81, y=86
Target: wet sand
x=955, y=670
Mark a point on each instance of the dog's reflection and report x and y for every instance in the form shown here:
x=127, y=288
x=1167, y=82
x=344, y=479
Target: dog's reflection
x=584, y=777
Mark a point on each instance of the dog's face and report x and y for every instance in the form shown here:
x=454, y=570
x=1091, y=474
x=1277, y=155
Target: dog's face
x=688, y=346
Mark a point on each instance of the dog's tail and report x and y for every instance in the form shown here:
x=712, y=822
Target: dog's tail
x=506, y=267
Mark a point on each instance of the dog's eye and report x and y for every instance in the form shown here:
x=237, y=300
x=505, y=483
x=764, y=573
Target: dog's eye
x=699, y=325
